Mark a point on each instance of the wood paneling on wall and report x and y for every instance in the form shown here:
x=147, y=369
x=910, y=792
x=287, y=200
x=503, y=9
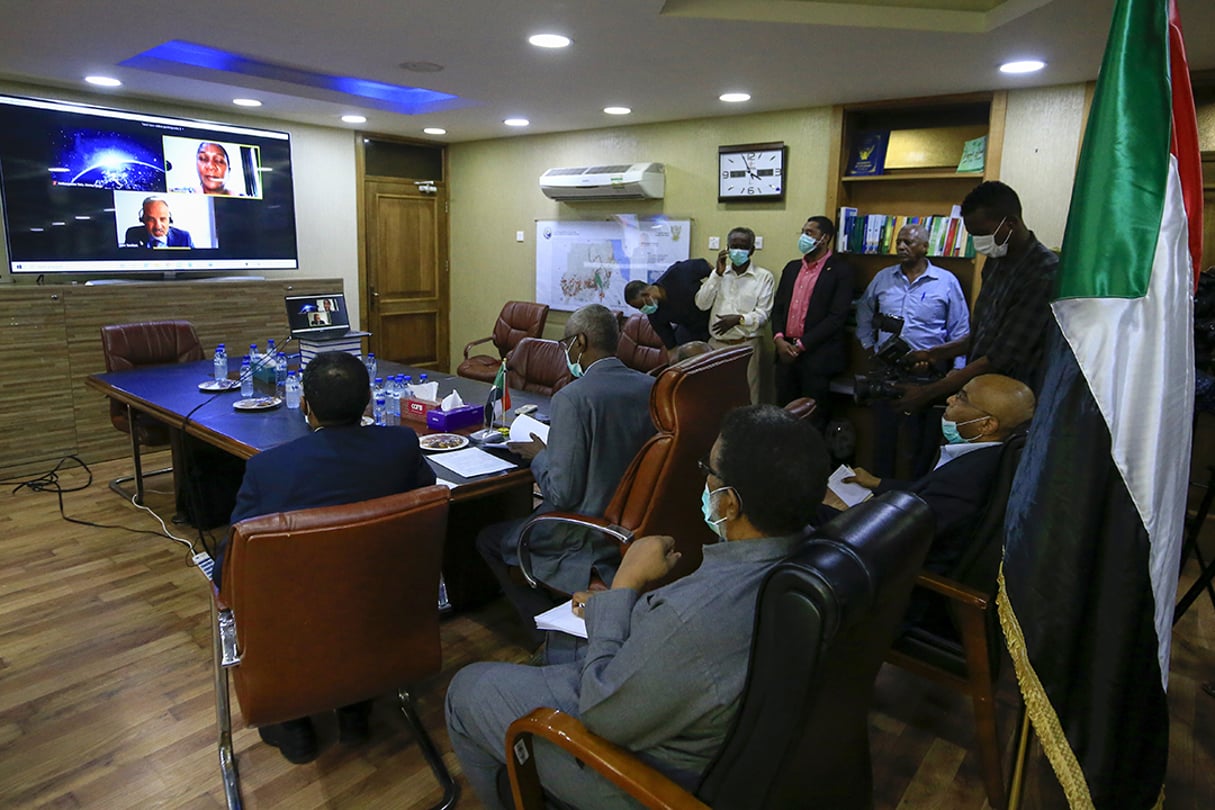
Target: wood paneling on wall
x=52, y=341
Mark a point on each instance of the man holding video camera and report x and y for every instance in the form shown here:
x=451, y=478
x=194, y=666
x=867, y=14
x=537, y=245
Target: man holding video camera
x=910, y=306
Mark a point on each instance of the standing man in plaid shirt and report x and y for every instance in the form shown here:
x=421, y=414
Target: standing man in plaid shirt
x=1012, y=314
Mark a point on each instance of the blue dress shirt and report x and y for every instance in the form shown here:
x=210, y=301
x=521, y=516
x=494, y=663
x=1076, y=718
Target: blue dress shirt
x=932, y=307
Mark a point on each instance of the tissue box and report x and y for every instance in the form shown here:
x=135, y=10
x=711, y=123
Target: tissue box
x=456, y=418
x=414, y=408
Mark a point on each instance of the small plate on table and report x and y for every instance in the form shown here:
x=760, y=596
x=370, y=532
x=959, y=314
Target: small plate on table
x=213, y=386
x=257, y=403
x=366, y=421
x=442, y=442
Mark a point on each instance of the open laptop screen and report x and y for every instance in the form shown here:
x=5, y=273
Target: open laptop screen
x=317, y=316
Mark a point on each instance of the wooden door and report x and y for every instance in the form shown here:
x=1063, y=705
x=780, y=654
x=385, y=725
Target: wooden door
x=406, y=283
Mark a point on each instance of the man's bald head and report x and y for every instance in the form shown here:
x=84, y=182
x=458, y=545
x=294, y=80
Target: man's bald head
x=1009, y=402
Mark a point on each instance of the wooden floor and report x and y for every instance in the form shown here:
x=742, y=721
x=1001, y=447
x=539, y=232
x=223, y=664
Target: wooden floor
x=106, y=689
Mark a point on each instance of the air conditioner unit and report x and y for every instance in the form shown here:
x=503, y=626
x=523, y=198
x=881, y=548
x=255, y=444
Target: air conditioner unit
x=636, y=181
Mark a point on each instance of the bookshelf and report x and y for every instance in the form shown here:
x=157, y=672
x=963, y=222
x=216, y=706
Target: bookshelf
x=940, y=125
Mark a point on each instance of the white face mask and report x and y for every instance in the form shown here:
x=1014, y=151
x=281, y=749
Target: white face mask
x=987, y=244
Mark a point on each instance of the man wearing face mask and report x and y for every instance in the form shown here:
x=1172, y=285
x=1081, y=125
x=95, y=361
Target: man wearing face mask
x=738, y=298
x=670, y=304
x=977, y=420
x=1012, y=312
x=663, y=669
x=597, y=424
x=808, y=318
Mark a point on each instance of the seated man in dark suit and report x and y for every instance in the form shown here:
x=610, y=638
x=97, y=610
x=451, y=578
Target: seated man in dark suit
x=340, y=462
x=156, y=231
x=976, y=422
x=664, y=669
x=597, y=424
x=670, y=303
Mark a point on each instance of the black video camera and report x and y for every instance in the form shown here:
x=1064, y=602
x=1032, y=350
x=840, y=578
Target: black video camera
x=888, y=372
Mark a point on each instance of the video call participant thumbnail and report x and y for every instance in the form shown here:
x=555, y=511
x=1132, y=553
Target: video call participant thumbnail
x=157, y=230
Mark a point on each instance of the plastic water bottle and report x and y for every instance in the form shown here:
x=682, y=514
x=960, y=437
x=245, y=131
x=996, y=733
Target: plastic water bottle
x=280, y=373
x=392, y=400
x=292, y=389
x=372, y=365
x=377, y=388
x=379, y=410
x=422, y=378
x=255, y=359
x=246, y=377
x=221, y=363
x=407, y=392
x=271, y=352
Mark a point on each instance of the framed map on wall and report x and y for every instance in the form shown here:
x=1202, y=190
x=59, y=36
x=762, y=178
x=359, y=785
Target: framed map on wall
x=579, y=263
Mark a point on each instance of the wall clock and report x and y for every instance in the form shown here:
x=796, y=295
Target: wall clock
x=754, y=171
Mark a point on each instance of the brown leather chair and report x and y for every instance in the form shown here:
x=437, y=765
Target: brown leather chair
x=660, y=491
x=327, y=607
x=802, y=407
x=640, y=347
x=825, y=619
x=961, y=648
x=539, y=366
x=518, y=320
x=148, y=343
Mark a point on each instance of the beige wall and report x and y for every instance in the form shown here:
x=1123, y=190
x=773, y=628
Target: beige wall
x=494, y=190
x=325, y=193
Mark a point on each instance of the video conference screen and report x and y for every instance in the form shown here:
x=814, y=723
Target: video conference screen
x=87, y=189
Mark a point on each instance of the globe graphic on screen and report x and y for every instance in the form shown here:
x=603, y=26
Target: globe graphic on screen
x=121, y=174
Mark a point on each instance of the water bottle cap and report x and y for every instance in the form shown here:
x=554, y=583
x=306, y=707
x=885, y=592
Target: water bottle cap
x=408, y=378
x=379, y=400
x=245, y=359
x=282, y=354
x=291, y=372
x=370, y=354
x=379, y=380
x=218, y=346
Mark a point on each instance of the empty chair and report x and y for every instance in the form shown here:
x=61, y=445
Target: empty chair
x=148, y=343
x=327, y=607
x=640, y=347
x=538, y=365
x=801, y=738
x=518, y=320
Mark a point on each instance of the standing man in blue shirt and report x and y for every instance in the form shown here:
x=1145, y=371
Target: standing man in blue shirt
x=929, y=300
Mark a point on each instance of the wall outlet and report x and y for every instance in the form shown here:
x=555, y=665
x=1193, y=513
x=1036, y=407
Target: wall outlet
x=759, y=243
x=714, y=243
x=518, y=236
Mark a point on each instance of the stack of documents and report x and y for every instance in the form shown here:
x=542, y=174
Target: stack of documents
x=563, y=620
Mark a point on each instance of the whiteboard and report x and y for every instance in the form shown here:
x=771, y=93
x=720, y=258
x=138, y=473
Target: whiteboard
x=579, y=263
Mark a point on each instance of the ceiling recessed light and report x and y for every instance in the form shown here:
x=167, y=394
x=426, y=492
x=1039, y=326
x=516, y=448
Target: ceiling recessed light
x=516, y=122
x=617, y=110
x=735, y=98
x=246, y=102
x=103, y=81
x=355, y=119
x=435, y=131
x=549, y=40
x=1023, y=66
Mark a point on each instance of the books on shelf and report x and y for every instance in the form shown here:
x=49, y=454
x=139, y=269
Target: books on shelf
x=879, y=233
x=868, y=152
x=974, y=155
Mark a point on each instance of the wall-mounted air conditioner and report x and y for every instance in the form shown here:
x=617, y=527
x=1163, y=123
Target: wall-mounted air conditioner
x=625, y=181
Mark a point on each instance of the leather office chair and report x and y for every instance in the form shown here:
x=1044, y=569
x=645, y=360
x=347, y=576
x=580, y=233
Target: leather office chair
x=149, y=343
x=539, y=366
x=965, y=653
x=802, y=407
x=825, y=619
x=640, y=347
x=327, y=607
x=660, y=491
x=518, y=320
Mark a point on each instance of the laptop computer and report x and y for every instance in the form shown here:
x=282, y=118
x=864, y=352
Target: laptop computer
x=319, y=316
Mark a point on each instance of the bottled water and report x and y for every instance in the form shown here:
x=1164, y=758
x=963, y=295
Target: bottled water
x=372, y=365
x=422, y=378
x=271, y=352
x=255, y=359
x=407, y=392
x=379, y=410
x=280, y=373
x=221, y=362
x=392, y=399
x=377, y=388
x=292, y=389
x=246, y=377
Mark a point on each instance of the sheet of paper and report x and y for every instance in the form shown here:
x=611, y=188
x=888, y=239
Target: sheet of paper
x=563, y=620
x=851, y=494
x=471, y=462
x=523, y=426
x=445, y=482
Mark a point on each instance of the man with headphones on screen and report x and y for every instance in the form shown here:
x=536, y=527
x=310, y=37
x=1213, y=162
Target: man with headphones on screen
x=157, y=230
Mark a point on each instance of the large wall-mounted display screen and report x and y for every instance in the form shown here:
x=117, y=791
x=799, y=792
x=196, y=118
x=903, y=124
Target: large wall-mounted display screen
x=92, y=190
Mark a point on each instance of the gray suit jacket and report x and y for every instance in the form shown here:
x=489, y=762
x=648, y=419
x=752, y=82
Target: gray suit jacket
x=597, y=424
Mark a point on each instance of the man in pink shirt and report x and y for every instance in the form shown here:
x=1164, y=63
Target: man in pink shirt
x=808, y=316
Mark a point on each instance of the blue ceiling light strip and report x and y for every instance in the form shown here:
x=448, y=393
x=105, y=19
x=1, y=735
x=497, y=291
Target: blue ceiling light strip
x=395, y=98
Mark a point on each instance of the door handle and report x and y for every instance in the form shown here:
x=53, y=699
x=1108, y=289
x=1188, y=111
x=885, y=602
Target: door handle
x=374, y=296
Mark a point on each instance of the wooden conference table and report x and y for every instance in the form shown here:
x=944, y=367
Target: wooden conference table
x=170, y=395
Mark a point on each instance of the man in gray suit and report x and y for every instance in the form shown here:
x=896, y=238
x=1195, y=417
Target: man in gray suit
x=597, y=424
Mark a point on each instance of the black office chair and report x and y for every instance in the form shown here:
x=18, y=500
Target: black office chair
x=801, y=737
